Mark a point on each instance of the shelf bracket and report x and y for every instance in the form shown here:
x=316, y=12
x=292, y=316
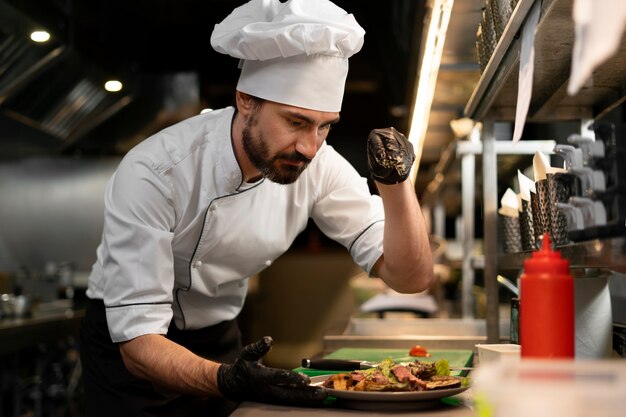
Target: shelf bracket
x=490, y=224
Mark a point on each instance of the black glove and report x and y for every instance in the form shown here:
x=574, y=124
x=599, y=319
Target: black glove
x=389, y=155
x=248, y=380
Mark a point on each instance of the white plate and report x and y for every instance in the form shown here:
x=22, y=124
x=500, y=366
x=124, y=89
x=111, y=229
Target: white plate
x=388, y=399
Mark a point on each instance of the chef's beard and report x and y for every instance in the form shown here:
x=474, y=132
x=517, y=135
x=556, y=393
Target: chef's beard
x=271, y=167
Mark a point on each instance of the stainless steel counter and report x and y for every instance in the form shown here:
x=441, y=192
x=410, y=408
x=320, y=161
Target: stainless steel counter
x=19, y=333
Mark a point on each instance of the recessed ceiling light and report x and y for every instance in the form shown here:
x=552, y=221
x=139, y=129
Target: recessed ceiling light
x=113, y=86
x=205, y=111
x=40, y=36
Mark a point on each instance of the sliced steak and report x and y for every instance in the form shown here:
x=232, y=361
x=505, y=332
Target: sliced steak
x=402, y=373
x=357, y=376
x=378, y=378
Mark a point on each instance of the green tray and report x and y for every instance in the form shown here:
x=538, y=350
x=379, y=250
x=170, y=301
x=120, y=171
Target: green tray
x=457, y=358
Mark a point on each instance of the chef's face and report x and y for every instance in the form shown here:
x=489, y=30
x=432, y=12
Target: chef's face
x=282, y=140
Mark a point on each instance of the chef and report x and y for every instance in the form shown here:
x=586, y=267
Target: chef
x=194, y=210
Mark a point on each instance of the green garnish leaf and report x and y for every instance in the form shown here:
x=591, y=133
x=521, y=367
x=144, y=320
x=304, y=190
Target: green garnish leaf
x=443, y=367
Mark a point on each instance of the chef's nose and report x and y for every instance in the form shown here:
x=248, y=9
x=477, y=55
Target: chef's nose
x=309, y=142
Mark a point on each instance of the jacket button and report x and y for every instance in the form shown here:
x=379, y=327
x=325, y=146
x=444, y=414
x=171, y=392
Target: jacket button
x=268, y=262
x=198, y=264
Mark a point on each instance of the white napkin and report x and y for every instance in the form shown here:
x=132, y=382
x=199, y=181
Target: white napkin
x=526, y=70
x=509, y=204
x=541, y=164
x=599, y=26
x=526, y=186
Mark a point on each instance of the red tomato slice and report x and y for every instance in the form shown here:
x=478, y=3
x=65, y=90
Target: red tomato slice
x=418, y=350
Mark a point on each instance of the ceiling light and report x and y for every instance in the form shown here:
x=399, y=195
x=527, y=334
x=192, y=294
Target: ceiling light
x=205, y=111
x=113, y=86
x=40, y=36
x=429, y=68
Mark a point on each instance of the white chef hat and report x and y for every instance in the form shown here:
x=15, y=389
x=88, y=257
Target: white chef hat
x=293, y=53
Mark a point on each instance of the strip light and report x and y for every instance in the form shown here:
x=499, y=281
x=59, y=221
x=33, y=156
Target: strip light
x=431, y=58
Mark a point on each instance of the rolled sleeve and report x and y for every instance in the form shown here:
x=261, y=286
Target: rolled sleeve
x=127, y=322
x=137, y=270
x=368, y=246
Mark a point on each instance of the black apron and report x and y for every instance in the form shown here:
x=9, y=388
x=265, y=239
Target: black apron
x=110, y=390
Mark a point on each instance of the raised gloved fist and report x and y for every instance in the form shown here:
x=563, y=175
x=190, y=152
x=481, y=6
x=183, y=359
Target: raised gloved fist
x=389, y=156
x=248, y=380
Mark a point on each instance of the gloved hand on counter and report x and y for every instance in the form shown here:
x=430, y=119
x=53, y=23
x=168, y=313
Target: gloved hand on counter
x=390, y=155
x=248, y=380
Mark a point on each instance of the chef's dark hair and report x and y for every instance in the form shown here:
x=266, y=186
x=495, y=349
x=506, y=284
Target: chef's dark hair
x=258, y=100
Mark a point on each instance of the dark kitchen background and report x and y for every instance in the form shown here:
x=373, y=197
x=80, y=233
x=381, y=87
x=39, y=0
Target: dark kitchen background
x=62, y=135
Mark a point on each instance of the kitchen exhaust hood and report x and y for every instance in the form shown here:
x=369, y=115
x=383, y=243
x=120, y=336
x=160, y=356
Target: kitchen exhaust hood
x=47, y=87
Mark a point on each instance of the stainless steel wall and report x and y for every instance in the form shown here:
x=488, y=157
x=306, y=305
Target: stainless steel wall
x=51, y=210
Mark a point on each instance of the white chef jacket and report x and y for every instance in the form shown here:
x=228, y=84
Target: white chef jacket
x=183, y=232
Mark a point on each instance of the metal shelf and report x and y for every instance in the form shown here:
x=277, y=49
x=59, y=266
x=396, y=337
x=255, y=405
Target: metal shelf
x=508, y=148
x=600, y=253
x=495, y=99
x=466, y=152
x=497, y=70
x=496, y=91
x=447, y=173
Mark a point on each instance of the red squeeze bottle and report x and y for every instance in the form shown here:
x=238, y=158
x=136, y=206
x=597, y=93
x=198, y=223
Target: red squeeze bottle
x=547, y=305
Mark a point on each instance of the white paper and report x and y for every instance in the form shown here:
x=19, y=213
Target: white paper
x=555, y=170
x=526, y=186
x=541, y=165
x=526, y=70
x=599, y=27
x=509, y=204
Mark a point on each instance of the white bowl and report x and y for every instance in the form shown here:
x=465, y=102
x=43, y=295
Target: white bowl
x=497, y=352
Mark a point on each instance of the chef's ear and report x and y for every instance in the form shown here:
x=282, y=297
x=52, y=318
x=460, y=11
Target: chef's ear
x=245, y=103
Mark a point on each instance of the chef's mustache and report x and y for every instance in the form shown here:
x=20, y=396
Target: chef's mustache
x=294, y=157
